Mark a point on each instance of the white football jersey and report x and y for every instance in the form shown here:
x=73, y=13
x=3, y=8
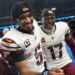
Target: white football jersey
x=31, y=46
x=54, y=46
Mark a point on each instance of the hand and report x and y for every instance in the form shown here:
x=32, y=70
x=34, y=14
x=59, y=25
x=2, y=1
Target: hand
x=56, y=71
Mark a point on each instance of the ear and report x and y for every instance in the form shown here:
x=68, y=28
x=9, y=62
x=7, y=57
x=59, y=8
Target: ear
x=32, y=17
x=17, y=20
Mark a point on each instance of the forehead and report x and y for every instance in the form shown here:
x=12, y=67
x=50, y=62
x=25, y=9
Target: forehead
x=25, y=14
x=49, y=16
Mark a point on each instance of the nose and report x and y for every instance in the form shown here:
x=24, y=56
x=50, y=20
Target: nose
x=28, y=20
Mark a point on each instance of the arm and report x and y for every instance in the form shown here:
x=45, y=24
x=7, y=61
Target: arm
x=70, y=41
x=56, y=71
x=18, y=57
x=21, y=65
x=23, y=69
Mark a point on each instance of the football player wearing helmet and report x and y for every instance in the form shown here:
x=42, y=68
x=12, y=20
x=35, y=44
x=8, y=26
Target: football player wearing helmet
x=54, y=36
x=24, y=44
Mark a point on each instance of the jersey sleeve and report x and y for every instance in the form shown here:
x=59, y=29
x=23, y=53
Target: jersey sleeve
x=16, y=52
x=10, y=45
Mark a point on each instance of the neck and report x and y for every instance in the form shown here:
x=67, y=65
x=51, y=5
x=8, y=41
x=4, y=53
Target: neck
x=49, y=31
x=24, y=31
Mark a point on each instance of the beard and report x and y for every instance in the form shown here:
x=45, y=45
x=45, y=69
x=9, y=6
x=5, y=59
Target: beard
x=28, y=31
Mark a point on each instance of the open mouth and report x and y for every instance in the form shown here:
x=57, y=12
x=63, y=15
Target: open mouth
x=49, y=26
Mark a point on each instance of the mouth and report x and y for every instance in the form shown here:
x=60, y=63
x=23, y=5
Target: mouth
x=49, y=26
x=27, y=24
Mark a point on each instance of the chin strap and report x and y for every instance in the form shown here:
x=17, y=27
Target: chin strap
x=71, y=43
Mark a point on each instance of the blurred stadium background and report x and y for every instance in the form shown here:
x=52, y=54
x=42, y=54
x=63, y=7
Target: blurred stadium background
x=65, y=11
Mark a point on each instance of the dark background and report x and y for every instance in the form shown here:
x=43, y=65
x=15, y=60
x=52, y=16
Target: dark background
x=63, y=7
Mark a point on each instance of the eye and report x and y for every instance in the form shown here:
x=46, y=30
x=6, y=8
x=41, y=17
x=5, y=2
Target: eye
x=30, y=15
x=22, y=17
x=49, y=18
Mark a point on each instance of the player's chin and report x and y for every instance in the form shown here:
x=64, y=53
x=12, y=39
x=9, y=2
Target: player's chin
x=30, y=29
